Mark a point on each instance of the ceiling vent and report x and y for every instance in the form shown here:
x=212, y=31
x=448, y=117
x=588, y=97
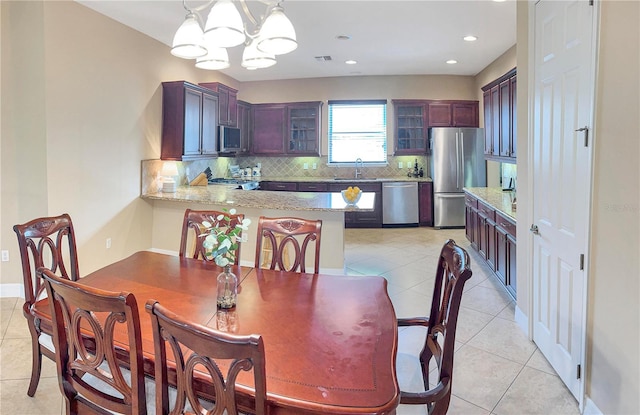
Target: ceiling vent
x=325, y=58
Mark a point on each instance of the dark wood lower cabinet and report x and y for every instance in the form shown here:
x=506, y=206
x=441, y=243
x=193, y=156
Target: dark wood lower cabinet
x=425, y=201
x=493, y=235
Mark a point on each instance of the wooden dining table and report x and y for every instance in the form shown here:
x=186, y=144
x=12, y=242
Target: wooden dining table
x=330, y=340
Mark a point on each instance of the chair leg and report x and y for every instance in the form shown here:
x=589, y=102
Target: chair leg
x=36, y=361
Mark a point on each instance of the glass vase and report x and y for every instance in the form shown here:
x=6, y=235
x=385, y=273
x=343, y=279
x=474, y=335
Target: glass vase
x=227, y=289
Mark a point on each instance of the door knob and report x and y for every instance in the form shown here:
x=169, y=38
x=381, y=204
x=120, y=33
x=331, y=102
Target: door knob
x=534, y=229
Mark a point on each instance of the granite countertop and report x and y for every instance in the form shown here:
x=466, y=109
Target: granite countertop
x=264, y=199
x=341, y=179
x=496, y=198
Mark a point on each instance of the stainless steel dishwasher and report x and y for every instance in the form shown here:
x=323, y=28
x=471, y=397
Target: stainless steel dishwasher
x=399, y=203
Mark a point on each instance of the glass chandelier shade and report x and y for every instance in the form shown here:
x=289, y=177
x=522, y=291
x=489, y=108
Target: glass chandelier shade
x=224, y=28
x=252, y=58
x=188, y=42
x=277, y=35
x=215, y=59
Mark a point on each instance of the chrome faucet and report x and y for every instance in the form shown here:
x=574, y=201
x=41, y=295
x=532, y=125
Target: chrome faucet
x=359, y=169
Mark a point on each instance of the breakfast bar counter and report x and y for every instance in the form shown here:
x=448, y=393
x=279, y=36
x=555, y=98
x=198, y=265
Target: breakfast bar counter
x=169, y=208
x=264, y=199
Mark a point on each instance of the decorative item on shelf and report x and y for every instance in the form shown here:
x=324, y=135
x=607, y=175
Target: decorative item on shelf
x=168, y=173
x=221, y=245
x=351, y=195
x=273, y=34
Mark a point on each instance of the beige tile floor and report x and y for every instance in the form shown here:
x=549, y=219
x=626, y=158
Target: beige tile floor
x=497, y=369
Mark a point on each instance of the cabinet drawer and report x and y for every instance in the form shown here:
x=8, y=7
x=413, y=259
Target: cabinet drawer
x=486, y=210
x=470, y=201
x=312, y=187
x=365, y=187
x=286, y=186
x=506, y=223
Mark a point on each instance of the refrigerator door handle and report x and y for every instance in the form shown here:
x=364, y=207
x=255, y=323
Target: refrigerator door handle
x=457, y=161
x=461, y=161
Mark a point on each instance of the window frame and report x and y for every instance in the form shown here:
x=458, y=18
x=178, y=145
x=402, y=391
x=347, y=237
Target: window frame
x=384, y=130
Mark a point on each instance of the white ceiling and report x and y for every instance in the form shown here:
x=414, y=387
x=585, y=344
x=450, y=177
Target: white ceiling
x=388, y=37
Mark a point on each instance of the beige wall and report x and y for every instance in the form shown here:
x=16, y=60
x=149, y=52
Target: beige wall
x=79, y=114
x=614, y=300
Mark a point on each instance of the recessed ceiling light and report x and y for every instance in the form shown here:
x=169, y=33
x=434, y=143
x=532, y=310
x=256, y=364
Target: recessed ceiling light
x=343, y=37
x=452, y=61
x=350, y=62
x=470, y=38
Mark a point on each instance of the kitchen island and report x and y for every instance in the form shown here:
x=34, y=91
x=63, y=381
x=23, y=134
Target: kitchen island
x=168, y=212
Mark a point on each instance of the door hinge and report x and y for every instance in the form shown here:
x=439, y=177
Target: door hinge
x=590, y=2
x=581, y=261
x=578, y=372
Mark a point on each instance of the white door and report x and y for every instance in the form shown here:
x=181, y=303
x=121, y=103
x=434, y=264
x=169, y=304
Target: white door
x=561, y=174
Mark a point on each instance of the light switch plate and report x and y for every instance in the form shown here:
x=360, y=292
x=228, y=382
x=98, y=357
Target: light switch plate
x=400, y=165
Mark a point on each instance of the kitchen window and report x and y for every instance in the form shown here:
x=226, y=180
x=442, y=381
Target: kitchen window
x=358, y=129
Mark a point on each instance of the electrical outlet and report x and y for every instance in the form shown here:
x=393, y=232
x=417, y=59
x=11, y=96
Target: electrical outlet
x=400, y=165
x=314, y=166
x=108, y=243
x=5, y=255
x=244, y=237
x=305, y=166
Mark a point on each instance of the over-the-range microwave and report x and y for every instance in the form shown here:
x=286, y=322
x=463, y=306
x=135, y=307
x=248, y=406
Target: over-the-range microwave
x=229, y=139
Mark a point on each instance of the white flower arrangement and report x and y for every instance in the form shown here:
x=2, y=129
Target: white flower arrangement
x=221, y=239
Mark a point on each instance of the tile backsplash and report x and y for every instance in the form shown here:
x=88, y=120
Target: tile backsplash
x=277, y=167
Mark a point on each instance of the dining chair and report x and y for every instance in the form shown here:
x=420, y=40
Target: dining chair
x=282, y=243
x=192, y=229
x=452, y=272
x=95, y=374
x=44, y=242
x=197, y=349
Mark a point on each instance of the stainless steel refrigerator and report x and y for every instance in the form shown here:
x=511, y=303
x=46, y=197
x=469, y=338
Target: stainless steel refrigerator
x=456, y=161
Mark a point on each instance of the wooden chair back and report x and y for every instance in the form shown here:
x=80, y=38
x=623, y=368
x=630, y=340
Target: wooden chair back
x=85, y=323
x=196, y=347
x=46, y=242
x=283, y=242
x=192, y=229
x=452, y=272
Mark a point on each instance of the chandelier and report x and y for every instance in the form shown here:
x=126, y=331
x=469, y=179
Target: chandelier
x=272, y=35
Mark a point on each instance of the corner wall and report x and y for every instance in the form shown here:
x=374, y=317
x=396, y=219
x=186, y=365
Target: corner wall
x=613, y=326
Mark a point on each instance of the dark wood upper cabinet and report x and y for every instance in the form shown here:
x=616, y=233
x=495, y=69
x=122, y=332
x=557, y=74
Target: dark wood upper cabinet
x=245, y=124
x=286, y=129
x=268, y=129
x=439, y=115
x=411, y=127
x=413, y=118
x=189, y=121
x=499, y=103
x=303, y=124
x=227, y=102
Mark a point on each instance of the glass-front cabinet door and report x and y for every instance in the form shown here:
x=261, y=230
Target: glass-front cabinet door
x=410, y=128
x=304, y=128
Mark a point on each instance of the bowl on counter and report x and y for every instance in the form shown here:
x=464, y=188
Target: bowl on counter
x=351, y=196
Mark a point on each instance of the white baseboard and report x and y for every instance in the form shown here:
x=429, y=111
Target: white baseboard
x=163, y=251
x=522, y=320
x=590, y=408
x=11, y=290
